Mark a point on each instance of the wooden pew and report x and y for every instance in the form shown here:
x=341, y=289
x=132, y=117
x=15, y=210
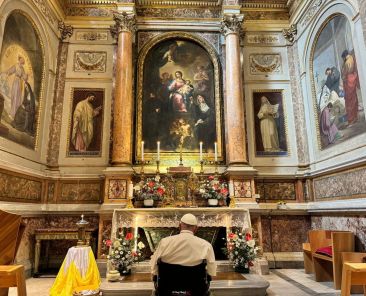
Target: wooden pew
x=330, y=268
x=351, y=257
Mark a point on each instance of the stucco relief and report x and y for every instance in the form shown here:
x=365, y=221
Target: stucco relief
x=265, y=64
x=19, y=188
x=242, y=188
x=298, y=105
x=88, y=11
x=356, y=224
x=266, y=15
x=178, y=12
x=312, y=10
x=90, y=61
x=91, y=36
x=349, y=184
x=55, y=126
x=263, y=38
x=81, y=192
x=46, y=11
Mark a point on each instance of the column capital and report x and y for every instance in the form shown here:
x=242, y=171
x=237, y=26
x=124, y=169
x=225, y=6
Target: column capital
x=65, y=30
x=232, y=24
x=290, y=33
x=124, y=22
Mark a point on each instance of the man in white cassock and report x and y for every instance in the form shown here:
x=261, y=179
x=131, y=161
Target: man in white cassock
x=185, y=248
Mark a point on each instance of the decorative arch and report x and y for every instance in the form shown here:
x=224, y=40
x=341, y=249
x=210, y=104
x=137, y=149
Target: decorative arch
x=22, y=64
x=165, y=55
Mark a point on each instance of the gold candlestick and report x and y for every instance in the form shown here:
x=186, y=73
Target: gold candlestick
x=157, y=167
x=201, y=171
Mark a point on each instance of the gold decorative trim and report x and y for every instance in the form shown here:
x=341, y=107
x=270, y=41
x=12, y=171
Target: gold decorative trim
x=215, y=61
x=282, y=91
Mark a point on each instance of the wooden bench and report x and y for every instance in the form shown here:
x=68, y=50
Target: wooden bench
x=353, y=274
x=330, y=268
x=351, y=257
x=12, y=276
x=308, y=258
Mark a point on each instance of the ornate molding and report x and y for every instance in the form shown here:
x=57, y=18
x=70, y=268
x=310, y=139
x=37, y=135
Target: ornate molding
x=265, y=63
x=290, y=33
x=314, y=7
x=124, y=22
x=91, y=36
x=263, y=39
x=180, y=12
x=90, y=61
x=46, y=11
x=266, y=15
x=65, y=30
x=232, y=24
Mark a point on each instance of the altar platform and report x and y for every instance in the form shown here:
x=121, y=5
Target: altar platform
x=225, y=284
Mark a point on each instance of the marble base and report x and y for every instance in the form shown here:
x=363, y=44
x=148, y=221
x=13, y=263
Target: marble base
x=251, y=285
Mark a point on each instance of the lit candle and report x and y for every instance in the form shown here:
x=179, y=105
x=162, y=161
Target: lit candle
x=158, y=144
x=215, y=151
x=201, y=151
x=142, y=150
x=130, y=190
x=231, y=188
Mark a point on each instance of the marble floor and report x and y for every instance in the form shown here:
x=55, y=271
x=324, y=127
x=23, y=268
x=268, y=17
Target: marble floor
x=289, y=282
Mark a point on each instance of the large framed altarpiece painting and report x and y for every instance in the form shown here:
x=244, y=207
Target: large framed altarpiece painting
x=178, y=98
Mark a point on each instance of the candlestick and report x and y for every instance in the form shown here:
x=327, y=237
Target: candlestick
x=201, y=158
x=231, y=188
x=158, y=148
x=130, y=189
x=142, y=150
x=158, y=167
x=215, y=151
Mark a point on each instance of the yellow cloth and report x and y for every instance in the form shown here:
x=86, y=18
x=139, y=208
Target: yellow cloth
x=70, y=279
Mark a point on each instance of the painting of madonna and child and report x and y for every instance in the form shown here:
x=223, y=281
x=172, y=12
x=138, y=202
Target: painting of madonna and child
x=21, y=75
x=336, y=84
x=179, y=103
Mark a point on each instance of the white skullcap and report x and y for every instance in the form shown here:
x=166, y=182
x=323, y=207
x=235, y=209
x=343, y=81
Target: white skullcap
x=189, y=219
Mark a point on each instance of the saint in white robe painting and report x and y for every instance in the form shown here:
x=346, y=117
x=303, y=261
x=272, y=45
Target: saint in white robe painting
x=268, y=127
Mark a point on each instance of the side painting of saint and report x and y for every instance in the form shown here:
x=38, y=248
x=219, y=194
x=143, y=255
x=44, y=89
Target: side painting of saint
x=336, y=84
x=269, y=123
x=179, y=101
x=86, y=122
x=21, y=78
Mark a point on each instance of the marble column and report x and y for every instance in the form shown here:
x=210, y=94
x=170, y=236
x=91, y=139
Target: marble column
x=123, y=30
x=234, y=111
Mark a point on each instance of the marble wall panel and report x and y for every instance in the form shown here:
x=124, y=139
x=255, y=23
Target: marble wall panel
x=284, y=233
x=356, y=224
x=362, y=4
x=276, y=190
x=298, y=105
x=81, y=192
x=348, y=184
x=20, y=188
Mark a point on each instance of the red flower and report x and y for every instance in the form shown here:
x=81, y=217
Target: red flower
x=224, y=191
x=151, y=184
x=108, y=242
x=211, y=177
x=250, y=263
x=231, y=235
x=248, y=236
x=129, y=236
x=160, y=191
x=134, y=254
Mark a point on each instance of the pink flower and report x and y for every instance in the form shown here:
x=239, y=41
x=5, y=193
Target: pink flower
x=211, y=177
x=151, y=184
x=108, y=242
x=224, y=191
x=231, y=235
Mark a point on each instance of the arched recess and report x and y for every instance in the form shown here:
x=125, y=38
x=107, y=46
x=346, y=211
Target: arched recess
x=193, y=54
x=48, y=35
x=332, y=32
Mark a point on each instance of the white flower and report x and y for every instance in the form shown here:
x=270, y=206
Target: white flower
x=118, y=256
x=251, y=243
x=116, y=244
x=121, y=252
x=140, y=245
x=124, y=243
x=137, y=187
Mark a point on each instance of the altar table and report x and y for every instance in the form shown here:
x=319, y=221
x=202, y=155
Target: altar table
x=79, y=272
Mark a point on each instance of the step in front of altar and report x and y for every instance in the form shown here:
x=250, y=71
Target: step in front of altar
x=224, y=284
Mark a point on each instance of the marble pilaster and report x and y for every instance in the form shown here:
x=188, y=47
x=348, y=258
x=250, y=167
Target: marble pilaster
x=234, y=111
x=123, y=30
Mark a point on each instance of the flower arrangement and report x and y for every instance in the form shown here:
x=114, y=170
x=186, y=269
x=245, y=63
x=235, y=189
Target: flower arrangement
x=121, y=253
x=241, y=249
x=213, y=188
x=151, y=188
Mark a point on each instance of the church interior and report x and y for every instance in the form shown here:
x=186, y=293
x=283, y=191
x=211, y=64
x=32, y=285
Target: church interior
x=117, y=117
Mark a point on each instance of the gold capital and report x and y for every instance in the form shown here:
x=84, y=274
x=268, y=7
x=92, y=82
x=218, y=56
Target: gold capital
x=232, y=24
x=124, y=22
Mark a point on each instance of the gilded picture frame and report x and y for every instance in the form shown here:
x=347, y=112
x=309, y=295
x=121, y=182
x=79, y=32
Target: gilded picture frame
x=175, y=49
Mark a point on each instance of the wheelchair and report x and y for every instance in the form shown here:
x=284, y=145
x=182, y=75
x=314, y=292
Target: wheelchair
x=178, y=280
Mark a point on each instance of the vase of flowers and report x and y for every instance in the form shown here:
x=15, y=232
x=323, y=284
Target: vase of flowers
x=214, y=190
x=149, y=190
x=241, y=250
x=123, y=253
